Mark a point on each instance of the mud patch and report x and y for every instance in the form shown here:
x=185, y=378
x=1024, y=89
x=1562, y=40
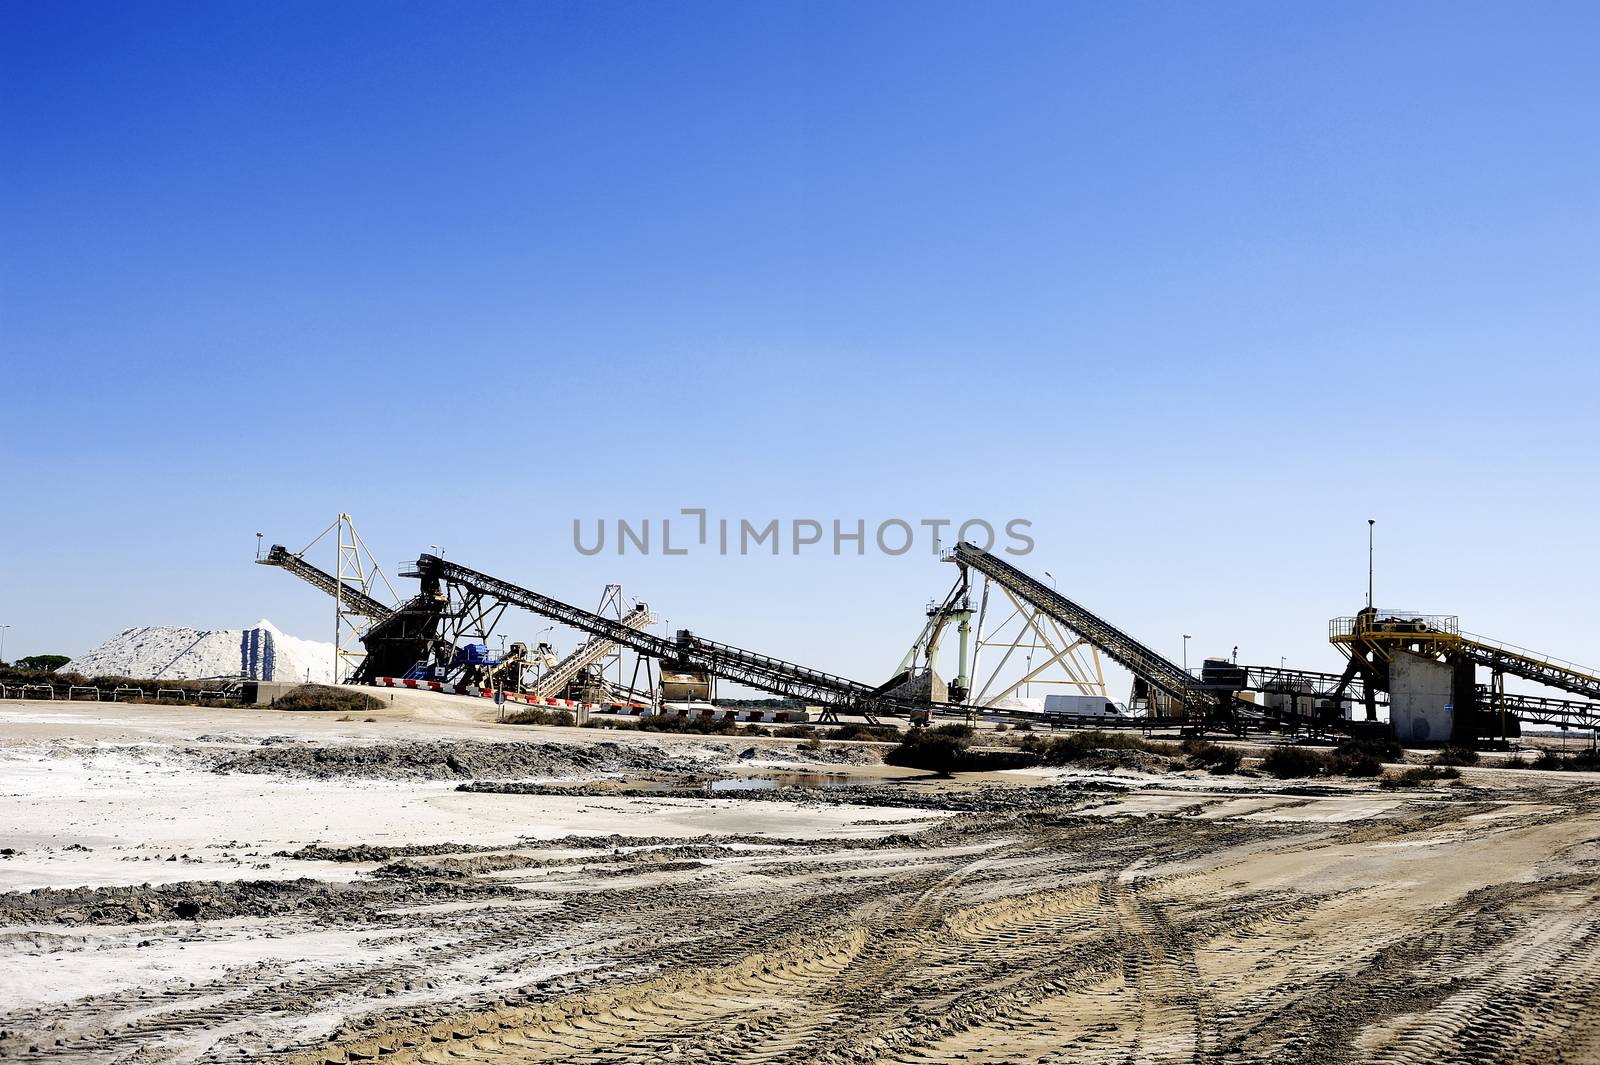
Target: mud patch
x=206, y=900
x=446, y=761
x=915, y=793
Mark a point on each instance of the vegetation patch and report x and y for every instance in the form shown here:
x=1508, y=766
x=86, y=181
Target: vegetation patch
x=1418, y=775
x=698, y=726
x=534, y=716
x=1213, y=757
x=1584, y=761
x=1456, y=756
x=327, y=698
x=946, y=749
x=873, y=733
x=42, y=663
x=1089, y=746
x=1352, y=758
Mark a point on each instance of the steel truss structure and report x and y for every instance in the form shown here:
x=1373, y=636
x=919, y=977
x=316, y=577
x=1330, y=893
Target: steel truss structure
x=355, y=577
x=684, y=652
x=1051, y=656
x=1205, y=705
x=1371, y=639
x=1032, y=646
x=596, y=650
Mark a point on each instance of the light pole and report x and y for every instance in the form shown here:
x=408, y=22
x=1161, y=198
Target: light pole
x=1370, y=523
x=1052, y=577
x=1186, y=639
x=1281, y=660
x=258, y=547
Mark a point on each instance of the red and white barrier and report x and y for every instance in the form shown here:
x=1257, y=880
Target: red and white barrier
x=426, y=686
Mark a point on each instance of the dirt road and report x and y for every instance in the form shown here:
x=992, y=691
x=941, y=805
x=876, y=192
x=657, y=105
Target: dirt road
x=1139, y=919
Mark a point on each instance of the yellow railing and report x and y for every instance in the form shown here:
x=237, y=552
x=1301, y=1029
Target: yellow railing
x=1394, y=625
x=1544, y=660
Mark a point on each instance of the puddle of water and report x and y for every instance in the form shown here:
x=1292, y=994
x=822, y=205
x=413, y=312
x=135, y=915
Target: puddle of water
x=783, y=780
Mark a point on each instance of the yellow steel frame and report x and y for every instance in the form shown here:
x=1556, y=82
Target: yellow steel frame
x=1440, y=635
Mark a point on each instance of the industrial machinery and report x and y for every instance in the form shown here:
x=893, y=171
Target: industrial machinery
x=1208, y=704
x=917, y=675
x=587, y=655
x=1428, y=667
x=357, y=600
x=392, y=639
x=685, y=653
x=1007, y=647
x=1303, y=699
x=1422, y=664
x=436, y=636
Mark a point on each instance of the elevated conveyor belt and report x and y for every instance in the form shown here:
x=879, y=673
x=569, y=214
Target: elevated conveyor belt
x=1529, y=665
x=722, y=660
x=1156, y=670
x=1304, y=681
x=356, y=601
x=587, y=654
x=1575, y=713
x=1372, y=638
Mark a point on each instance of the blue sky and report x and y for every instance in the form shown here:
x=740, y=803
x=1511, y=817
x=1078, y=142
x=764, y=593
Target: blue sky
x=1197, y=289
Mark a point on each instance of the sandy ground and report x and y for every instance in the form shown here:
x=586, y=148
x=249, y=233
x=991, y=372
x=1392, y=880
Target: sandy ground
x=189, y=885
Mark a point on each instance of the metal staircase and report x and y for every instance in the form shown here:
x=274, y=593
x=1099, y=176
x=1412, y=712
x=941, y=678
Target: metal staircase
x=587, y=654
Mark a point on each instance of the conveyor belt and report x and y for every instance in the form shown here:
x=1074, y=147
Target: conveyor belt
x=1577, y=713
x=1307, y=681
x=722, y=660
x=1529, y=665
x=587, y=654
x=1156, y=670
x=356, y=601
x=1372, y=638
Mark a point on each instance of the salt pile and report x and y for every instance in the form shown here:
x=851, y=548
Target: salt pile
x=169, y=652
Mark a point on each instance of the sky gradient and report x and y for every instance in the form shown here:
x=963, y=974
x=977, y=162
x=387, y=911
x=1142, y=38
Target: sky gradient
x=1196, y=289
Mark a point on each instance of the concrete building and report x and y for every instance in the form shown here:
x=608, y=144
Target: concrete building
x=1420, y=699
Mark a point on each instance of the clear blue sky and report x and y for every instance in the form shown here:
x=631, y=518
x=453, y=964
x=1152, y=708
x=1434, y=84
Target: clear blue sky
x=1196, y=288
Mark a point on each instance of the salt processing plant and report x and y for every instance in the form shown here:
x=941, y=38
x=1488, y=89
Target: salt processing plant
x=1417, y=677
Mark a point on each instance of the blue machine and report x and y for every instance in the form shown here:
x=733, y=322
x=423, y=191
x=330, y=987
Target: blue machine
x=474, y=654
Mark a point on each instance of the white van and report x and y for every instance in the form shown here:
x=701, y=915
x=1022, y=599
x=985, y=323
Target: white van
x=1081, y=706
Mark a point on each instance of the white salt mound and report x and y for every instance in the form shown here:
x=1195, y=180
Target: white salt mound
x=169, y=652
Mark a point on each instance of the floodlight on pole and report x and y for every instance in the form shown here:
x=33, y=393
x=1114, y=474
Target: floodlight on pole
x=1370, y=523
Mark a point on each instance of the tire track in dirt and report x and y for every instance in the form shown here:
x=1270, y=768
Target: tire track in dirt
x=1051, y=938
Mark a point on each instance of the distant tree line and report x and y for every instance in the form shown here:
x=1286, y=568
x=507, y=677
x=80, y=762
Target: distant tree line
x=38, y=663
